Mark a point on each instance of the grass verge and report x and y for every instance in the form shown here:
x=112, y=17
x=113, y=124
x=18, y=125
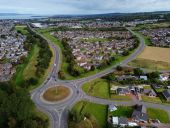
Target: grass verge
x=98, y=88
x=98, y=111
x=151, y=99
x=159, y=114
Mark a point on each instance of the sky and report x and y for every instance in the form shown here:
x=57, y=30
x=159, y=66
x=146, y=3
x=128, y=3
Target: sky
x=51, y=7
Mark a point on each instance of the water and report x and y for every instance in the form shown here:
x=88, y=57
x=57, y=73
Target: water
x=20, y=17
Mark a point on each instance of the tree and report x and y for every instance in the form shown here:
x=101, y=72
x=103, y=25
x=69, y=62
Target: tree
x=153, y=75
x=17, y=109
x=61, y=75
x=119, y=68
x=138, y=72
x=110, y=77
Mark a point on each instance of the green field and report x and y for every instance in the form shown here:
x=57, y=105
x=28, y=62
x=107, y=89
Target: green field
x=22, y=29
x=147, y=40
x=151, y=99
x=152, y=26
x=98, y=111
x=64, y=64
x=97, y=88
x=122, y=111
x=159, y=114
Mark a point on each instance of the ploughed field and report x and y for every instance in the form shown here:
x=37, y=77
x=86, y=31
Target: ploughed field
x=154, y=58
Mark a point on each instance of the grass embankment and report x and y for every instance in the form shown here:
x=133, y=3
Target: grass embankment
x=159, y=114
x=56, y=93
x=28, y=68
x=98, y=88
x=153, y=58
x=64, y=65
x=98, y=118
x=122, y=111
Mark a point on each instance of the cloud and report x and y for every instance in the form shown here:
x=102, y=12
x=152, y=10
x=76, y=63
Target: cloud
x=82, y=6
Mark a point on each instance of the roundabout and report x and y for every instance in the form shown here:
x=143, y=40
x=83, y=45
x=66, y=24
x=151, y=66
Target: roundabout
x=56, y=94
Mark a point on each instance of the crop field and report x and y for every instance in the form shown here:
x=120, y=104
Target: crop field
x=154, y=58
x=156, y=53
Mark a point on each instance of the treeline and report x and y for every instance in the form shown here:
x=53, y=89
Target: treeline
x=153, y=77
x=45, y=54
x=63, y=28
x=43, y=59
x=73, y=68
x=17, y=110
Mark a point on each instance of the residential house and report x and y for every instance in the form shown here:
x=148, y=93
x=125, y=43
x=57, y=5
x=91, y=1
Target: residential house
x=164, y=77
x=143, y=77
x=123, y=122
x=122, y=91
x=112, y=108
x=150, y=92
x=166, y=94
x=139, y=114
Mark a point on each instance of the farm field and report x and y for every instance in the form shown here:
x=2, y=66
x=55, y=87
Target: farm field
x=153, y=58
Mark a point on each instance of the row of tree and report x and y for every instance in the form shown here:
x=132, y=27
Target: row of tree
x=73, y=68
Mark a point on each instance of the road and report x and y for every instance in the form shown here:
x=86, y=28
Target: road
x=58, y=112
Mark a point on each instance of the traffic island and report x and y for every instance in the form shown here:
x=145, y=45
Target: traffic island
x=56, y=94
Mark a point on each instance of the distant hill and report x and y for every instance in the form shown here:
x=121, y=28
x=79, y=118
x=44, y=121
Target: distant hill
x=119, y=16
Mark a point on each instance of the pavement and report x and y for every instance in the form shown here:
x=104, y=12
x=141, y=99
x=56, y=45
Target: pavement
x=58, y=112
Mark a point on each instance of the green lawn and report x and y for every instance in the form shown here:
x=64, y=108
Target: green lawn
x=151, y=99
x=147, y=87
x=122, y=111
x=98, y=111
x=120, y=97
x=64, y=64
x=97, y=88
x=147, y=40
x=162, y=115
